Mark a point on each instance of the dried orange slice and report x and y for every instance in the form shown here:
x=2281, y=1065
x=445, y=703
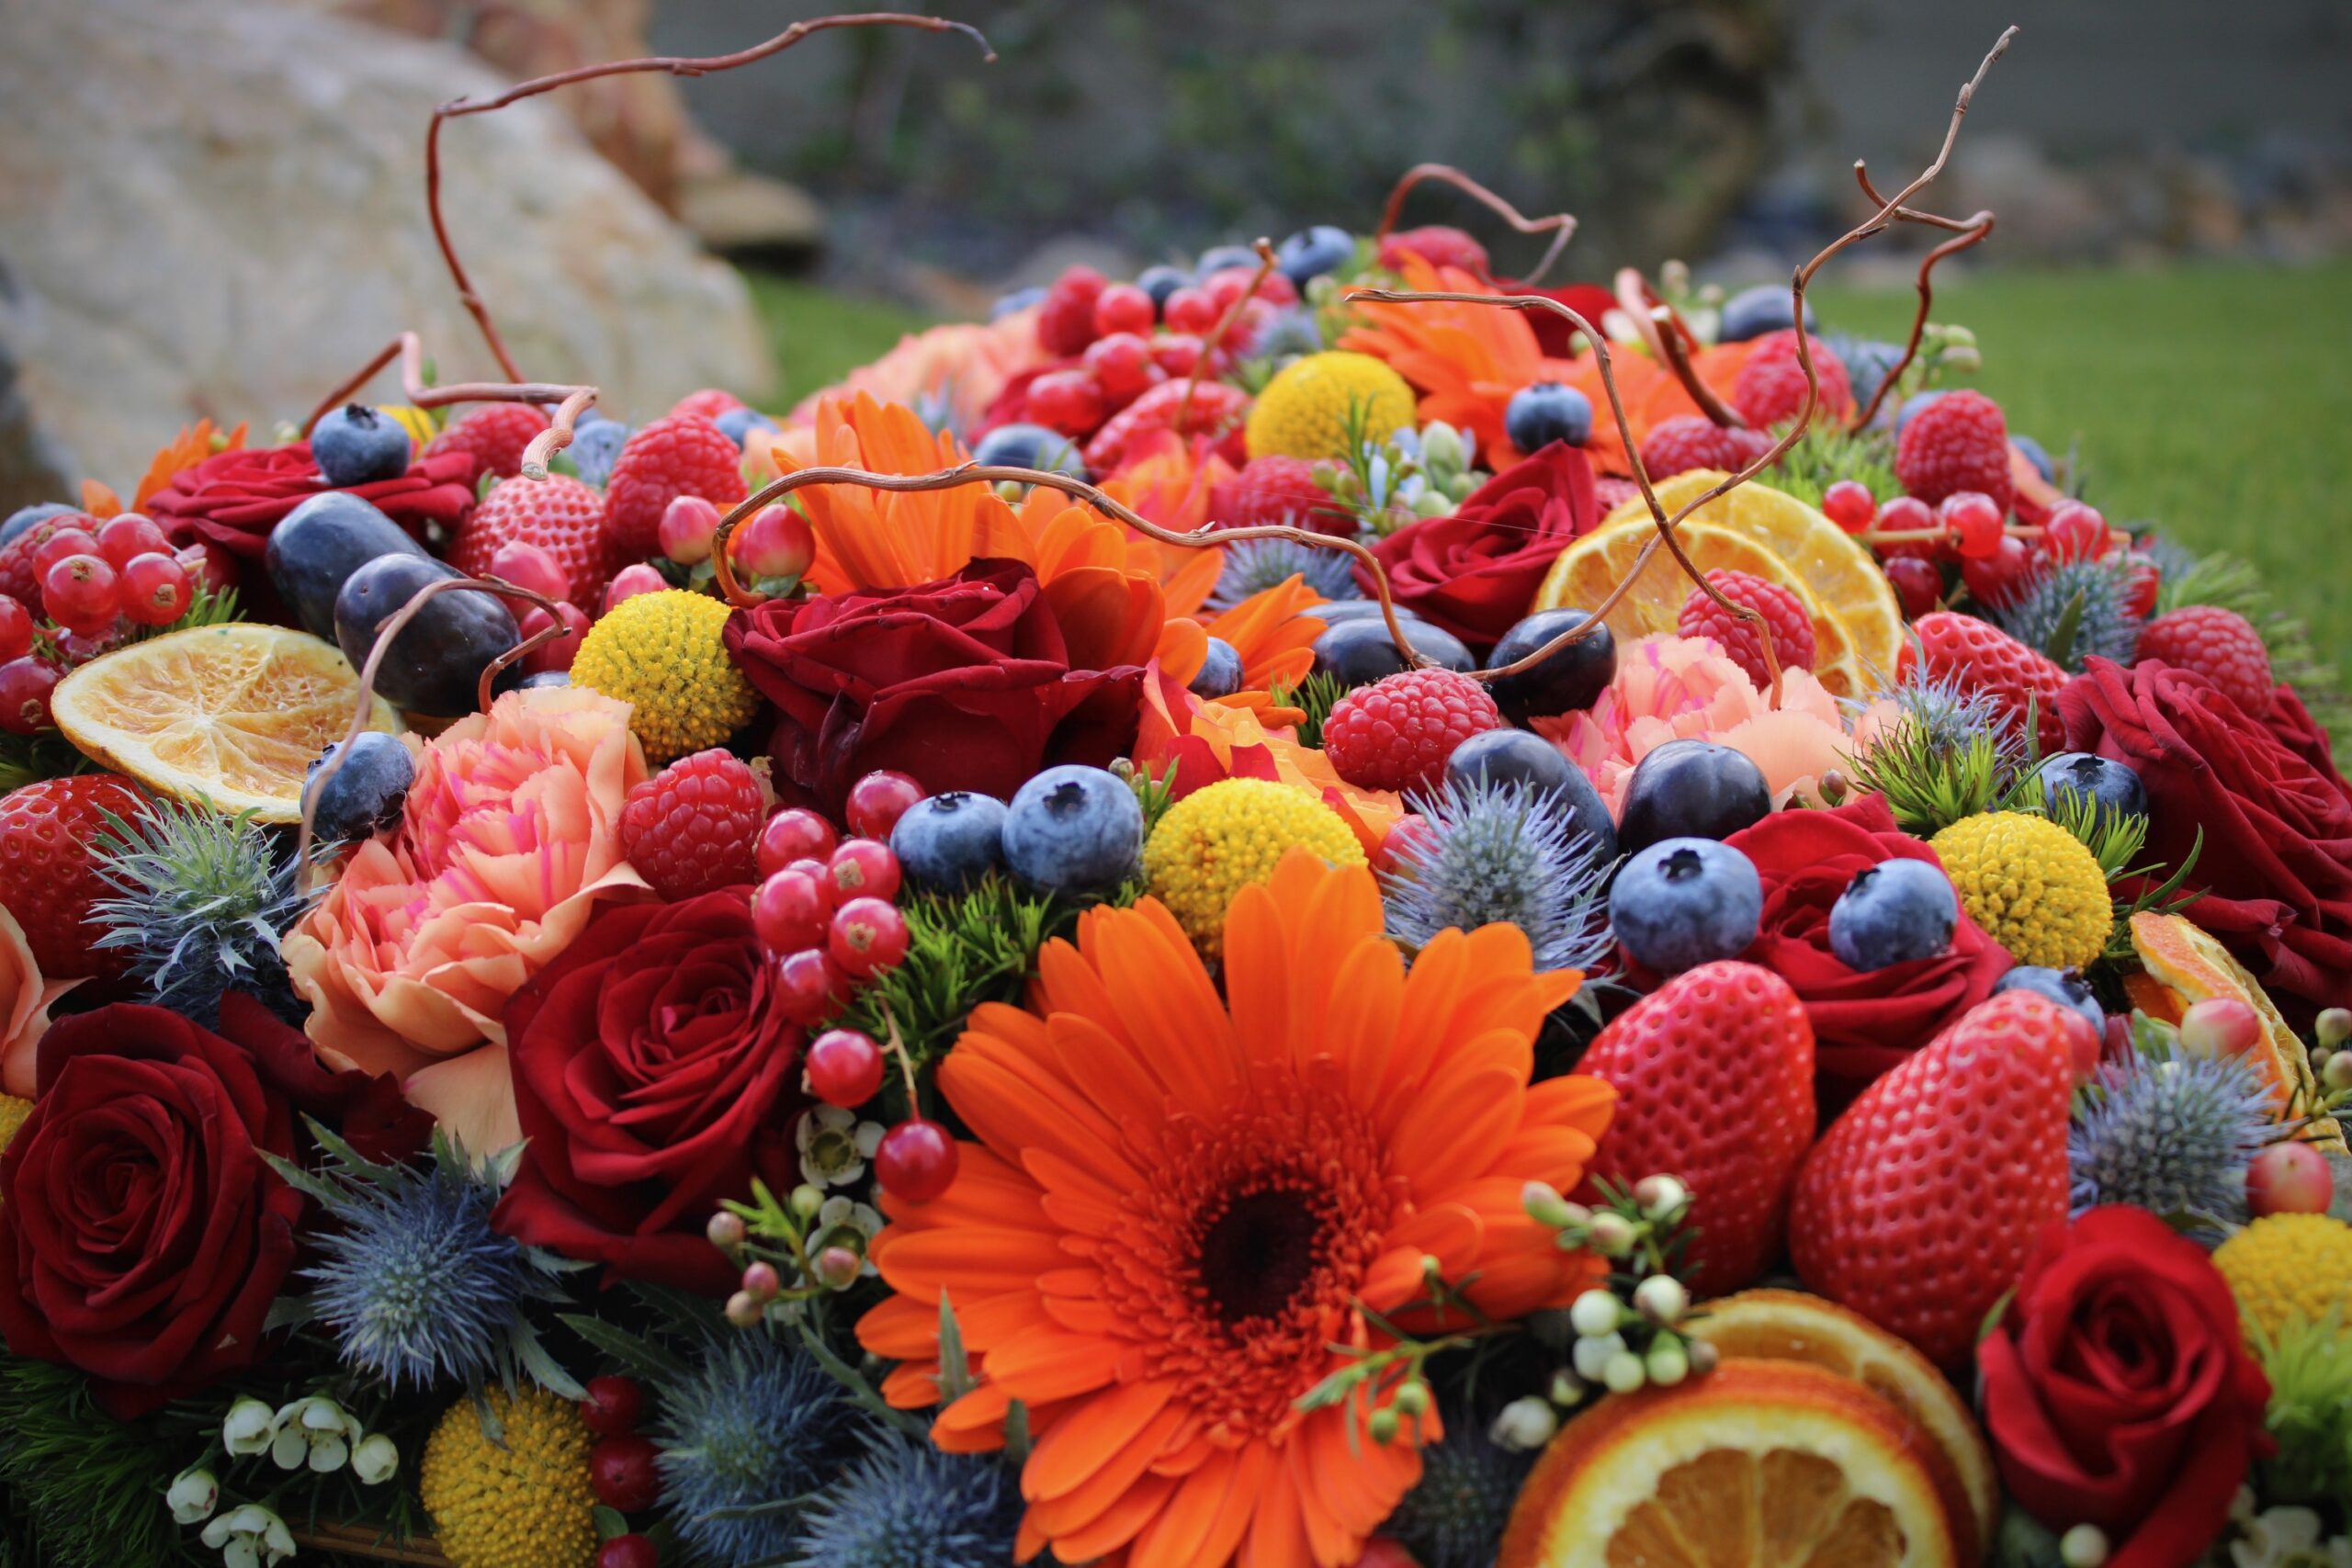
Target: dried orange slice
x=1758, y=1464
x=2189, y=962
x=1789, y=1326
x=231, y=715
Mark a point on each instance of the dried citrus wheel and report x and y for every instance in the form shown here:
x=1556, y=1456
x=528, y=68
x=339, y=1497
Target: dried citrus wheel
x=2187, y=961
x=1789, y=1326
x=230, y=715
x=1762, y=1464
x=1841, y=574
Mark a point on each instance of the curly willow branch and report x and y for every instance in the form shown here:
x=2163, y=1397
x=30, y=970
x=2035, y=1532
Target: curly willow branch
x=571, y=400
x=1215, y=340
x=1563, y=225
x=1971, y=232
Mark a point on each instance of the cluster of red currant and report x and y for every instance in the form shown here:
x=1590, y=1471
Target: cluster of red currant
x=624, y=1468
x=1110, y=329
x=1995, y=565
x=90, y=580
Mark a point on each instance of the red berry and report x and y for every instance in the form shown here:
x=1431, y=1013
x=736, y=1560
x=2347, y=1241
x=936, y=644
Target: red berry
x=687, y=527
x=689, y=830
x=1189, y=309
x=2291, y=1177
x=48, y=870
x=121, y=537
x=794, y=833
x=16, y=629
x=630, y=581
x=25, y=686
x=1179, y=354
x=1980, y=656
x=82, y=593
x=155, y=590
x=530, y=566
x=916, y=1161
x=1209, y=408
x=1783, y=612
x=1396, y=733
x=494, y=434
x=1958, y=442
x=709, y=402
x=1917, y=583
x=558, y=653
x=561, y=516
x=1411, y=830
x=1441, y=244
x=681, y=454
x=612, y=1407
x=1771, y=388
x=1230, y=284
x=844, y=1067
x=1849, y=504
x=1121, y=366
x=631, y=1551
x=1066, y=321
x=1692, y=441
x=2147, y=581
x=1906, y=515
x=868, y=935
x=808, y=984
x=790, y=912
x=60, y=544
x=1277, y=490
x=1068, y=401
x=1122, y=308
x=212, y=570
x=1974, y=521
x=2218, y=644
x=774, y=541
x=626, y=1472
x=877, y=801
x=1998, y=579
x=2074, y=532
x=863, y=868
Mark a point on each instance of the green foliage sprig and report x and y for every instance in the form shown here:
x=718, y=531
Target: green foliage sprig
x=91, y=1488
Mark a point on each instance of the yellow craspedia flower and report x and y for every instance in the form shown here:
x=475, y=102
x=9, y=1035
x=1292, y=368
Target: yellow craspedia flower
x=422, y=426
x=2288, y=1266
x=661, y=653
x=1217, y=840
x=13, y=1112
x=1304, y=409
x=528, y=1505
x=2032, y=885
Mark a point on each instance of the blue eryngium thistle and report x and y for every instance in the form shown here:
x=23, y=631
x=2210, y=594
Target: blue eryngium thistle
x=1501, y=852
x=2075, y=609
x=1255, y=565
x=1453, y=1517
x=906, y=1504
x=1949, y=752
x=2167, y=1131
x=751, y=1425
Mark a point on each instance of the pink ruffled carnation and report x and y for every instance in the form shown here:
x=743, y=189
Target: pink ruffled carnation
x=956, y=369
x=1672, y=688
x=25, y=1000
x=511, y=834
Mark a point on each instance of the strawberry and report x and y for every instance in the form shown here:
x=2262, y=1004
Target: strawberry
x=495, y=434
x=1719, y=1035
x=1919, y=1206
x=49, y=876
x=679, y=453
x=559, y=515
x=1208, y=408
x=1980, y=656
x=1438, y=244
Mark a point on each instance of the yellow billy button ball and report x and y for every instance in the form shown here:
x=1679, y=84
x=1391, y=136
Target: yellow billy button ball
x=1306, y=409
x=2032, y=885
x=13, y=1112
x=1217, y=840
x=529, y=1504
x=662, y=654
x=2285, y=1267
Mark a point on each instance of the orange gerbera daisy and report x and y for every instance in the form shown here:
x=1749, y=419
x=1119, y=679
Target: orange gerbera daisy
x=1465, y=360
x=1179, y=1203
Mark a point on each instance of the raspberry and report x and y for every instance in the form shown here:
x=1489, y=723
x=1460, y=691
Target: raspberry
x=49, y=871
x=1396, y=733
x=1769, y=388
x=691, y=828
x=1277, y=490
x=1959, y=441
x=2218, y=644
x=1692, y=441
x=679, y=453
x=495, y=434
x=561, y=516
x=1608, y=492
x=1438, y=244
x=1066, y=321
x=710, y=403
x=1782, y=610
x=19, y=570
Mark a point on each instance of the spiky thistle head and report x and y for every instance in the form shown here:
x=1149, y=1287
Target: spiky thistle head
x=1501, y=851
x=750, y=1424
x=2168, y=1131
x=2075, y=609
x=1255, y=565
x=198, y=902
x=1453, y=1517
x=906, y=1504
x=1947, y=752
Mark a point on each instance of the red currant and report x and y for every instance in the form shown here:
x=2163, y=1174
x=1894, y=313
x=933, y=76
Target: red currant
x=1190, y=310
x=844, y=1069
x=128, y=535
x=1975, y=520
x=916, y=1161
x=61, y=544
x=868, y=936
x=1121, y=365
x=1998, y=579
x=612, y=1407
x=631, y=1551
x=2290, y=1178
x=1916, y=583
x=879, y=799
x=1849, y=504
x=1233, y=283
x=626, y=1472
x=863, y=868
x=1067, y=401
x=155, y=590
x=2074, y=532
x=1907, y=513
x=1179, y=354
x=1123, y=308
x=82, y=593
x=789, y=912
x=794, y=833
x=774, y=541
x=16, y=629
x=808, y=984
x=25, y=685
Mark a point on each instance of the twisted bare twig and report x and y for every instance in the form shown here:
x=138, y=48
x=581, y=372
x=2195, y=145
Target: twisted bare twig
x=571, y=400
x=1563, y=225
x=1966, y=232
x=1215, y=340
x=1678, y=359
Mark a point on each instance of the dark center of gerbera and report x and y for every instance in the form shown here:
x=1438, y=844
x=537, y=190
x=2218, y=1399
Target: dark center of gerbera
x=1257, y=1254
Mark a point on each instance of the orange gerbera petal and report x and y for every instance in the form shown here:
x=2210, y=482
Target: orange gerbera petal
x=1465, y=360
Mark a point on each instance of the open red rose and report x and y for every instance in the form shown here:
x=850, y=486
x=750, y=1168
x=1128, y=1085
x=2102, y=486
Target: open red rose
x=650, y=1062
x=144, y=1233
x=1863, y=1023
x=1475, y=574
x=2118, y=1392
x=2276, y=862
x=965, y=683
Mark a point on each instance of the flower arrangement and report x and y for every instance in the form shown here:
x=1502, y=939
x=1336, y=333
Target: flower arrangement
x=1339, y=913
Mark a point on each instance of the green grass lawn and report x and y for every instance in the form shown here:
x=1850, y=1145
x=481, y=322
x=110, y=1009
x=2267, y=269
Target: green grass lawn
x=2215, y=400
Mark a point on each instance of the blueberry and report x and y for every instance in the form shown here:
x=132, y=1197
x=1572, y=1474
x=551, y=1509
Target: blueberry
x=436, y=662
x=2111, y=784
x=1912, y=405
x=1074, y=830
x=1292, y=331
x=596, y=443
x=951, y=840
x=1767, y=308
x=2065, y=987
x=1220, y=673
x=547, y=678
x=1868, y=362
x=1160, y=282
x=1571, y=679
x=2035, y=453
x=1515, y=756
x=1684, y=902
x=321, y=543
x=1692, y=789
x=25, y=517
x=1311, y=253
x=1030, y=446
x=358, y=446
x=1225, y=258
x=1361, y=651
x=1016, y=300
x=364, y=796
x=1893, y=912
x=740, y=423
x=1546, y=411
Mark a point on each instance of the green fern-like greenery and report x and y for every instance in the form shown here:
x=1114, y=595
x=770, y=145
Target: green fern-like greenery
x=1824, y=454
x=88, y=1489
x=2309, y=1367
x=1316, y=697
x=1948, y=754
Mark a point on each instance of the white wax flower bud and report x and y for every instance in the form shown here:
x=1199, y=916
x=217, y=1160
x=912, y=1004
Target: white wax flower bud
x=1524, y=1424
x=193, y=1496
x=376, y=1460
x=248, y=1428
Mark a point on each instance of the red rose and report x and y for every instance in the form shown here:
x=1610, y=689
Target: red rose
x=965, y=684
x=145, y=1235
x=1475, y=574
x=2276, y=862
x=2118, y=1392
x=650, y=1063
x=1863, y=1023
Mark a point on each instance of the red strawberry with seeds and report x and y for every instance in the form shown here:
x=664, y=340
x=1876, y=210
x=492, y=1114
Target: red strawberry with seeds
x=1919, y=1205
x=679, y=453
x=2218, y=644
x=691, y=828
x=495, y=434
x=1980, y=656
x=558, y=514
x=1722, y=1034
x=1208, y=407
x=1959, y=441
x=49, y=871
